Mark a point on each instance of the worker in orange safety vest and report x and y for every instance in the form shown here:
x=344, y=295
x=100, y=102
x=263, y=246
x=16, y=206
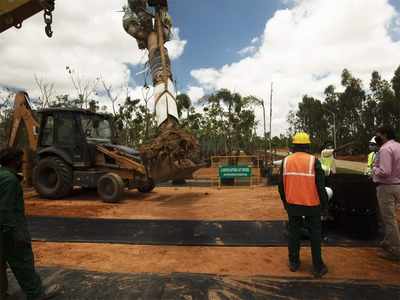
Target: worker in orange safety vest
x=302, y=190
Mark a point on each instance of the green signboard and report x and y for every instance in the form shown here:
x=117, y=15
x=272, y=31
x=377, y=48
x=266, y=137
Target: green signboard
x=234, y=171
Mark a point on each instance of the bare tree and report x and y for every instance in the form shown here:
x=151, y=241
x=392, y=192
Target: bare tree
x=6, y=97
x=6, y=102
x=114, y=95
x=109, y=92
x=85, y=88
x=46, y=90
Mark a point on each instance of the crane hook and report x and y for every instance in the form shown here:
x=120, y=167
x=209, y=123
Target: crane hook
x=48, y=16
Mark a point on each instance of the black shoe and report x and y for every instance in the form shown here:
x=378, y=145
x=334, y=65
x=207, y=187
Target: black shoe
x=294, y=266
x=320, y=272
x=389, y=256
x=50, y=292
x=5, y=295
x=385, y=246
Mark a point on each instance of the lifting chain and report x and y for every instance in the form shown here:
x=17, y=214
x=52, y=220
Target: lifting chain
x=48, y=6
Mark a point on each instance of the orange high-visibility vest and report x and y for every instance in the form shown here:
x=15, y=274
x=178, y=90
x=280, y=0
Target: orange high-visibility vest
x=299, y=180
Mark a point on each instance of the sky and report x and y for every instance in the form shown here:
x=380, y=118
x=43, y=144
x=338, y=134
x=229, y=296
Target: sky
x=300, y=45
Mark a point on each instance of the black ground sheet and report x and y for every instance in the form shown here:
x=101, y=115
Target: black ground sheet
x=168, y=232
x=90, y=285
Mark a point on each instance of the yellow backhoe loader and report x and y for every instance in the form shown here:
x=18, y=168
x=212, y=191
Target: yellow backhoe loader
x=73, y=148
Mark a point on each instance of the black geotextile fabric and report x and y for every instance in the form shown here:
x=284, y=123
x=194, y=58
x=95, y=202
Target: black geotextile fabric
x=353, y=194
x=169, y=232
x=80, y=285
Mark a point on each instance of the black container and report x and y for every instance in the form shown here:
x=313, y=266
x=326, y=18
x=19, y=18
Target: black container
x=354, y=205
x=228, y=181
x=272, y=177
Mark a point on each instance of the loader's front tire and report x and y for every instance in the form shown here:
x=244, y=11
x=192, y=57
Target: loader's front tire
x=110, y=187
x=53, y=178
x=147, y=187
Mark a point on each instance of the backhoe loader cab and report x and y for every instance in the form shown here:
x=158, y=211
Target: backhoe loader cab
x=73, y=134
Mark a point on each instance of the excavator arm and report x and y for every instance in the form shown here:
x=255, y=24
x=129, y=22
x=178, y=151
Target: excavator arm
x=23, y=115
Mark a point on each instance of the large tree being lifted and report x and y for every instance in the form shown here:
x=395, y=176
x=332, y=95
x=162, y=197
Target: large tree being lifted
x=172, y=150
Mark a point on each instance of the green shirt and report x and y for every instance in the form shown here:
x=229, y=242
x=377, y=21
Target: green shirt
x=12, y=209
x=299, y=210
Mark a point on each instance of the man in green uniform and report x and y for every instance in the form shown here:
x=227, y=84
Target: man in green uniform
x=373, y=148
x=327, y=160
x=17, y=247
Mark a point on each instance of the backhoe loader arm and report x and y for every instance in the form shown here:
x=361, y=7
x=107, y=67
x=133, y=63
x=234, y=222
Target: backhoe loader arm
x=23, y=115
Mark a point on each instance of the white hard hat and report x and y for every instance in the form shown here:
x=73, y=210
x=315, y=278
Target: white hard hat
x=373, y=141
x=329, y=191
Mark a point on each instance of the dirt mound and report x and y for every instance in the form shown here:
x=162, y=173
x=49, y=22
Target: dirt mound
x=174, y=142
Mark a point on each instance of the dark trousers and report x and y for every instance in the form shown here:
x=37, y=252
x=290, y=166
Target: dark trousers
x=3, y=270
x=296, y=224
x=20, y=259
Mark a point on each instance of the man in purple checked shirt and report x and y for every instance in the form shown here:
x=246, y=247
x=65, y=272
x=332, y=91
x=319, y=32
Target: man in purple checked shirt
x=386, y=174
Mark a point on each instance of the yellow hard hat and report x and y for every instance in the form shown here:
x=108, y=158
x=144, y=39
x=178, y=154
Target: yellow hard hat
x=301, y=138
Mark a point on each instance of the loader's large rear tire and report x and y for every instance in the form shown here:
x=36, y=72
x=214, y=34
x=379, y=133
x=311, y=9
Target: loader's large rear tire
x=53, y=178
x=110, y=187
x=147, y=187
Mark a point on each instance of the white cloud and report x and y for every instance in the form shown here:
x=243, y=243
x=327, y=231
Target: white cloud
x=255, y=40
x=304, y=49
x=88, y=37
x=247, y=50
x=206, y=77
x=195, y=93
x=176, y=46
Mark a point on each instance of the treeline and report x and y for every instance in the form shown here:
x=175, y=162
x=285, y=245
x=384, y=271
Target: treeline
x=355, y=112
x=223, y=122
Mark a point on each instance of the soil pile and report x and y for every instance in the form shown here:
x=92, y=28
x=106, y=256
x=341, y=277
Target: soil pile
x=171, y=154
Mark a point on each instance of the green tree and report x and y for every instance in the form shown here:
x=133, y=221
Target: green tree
x=131, y=123
x=388, y=111
x=6, y=107
x=183, y=102
x=396, y=83
x=311, y=118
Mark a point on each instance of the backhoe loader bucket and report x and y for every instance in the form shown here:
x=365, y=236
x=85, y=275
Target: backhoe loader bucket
x=167, y=170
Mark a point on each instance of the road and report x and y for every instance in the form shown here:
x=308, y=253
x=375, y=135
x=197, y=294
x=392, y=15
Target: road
x=343, y=164
x=351, y=165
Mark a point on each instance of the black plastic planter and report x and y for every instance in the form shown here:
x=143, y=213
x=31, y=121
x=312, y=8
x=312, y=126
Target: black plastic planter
x=354, y=205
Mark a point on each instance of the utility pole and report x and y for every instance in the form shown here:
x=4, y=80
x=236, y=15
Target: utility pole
x=270, y=121
x=265, y=133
